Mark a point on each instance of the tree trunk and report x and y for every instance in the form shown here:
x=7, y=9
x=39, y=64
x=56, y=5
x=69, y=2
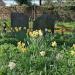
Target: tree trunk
x=40, y=2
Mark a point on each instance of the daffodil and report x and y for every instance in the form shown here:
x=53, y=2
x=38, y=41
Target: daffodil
x=40, y=32
x=30, y=33
x=19, y=43
x=54, y=44
x=42, y=53
x=16, y=29
x=23, y=49
x=72, y=52
x=24, y=28
x=20, y=28
x=35, y=33
x=21, y=46
x=11, y=65
x=59, y=56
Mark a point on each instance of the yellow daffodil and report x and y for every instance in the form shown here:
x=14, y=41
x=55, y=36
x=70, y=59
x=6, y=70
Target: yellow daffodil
x=72, y=52
x=19, y=43
x=23, y=49
x=40, y=32
x=21, y=46
x=31, y=34
x=11, y=65
x=35, y=33
x=54, y=44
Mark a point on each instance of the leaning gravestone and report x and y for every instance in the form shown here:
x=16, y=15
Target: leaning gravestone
x=19, y=20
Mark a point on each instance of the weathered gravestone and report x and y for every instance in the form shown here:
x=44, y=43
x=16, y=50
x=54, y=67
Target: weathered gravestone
x=46, y=21
x=19, y=20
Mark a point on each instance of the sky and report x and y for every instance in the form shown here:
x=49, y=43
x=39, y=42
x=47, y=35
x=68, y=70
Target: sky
x=11, y=2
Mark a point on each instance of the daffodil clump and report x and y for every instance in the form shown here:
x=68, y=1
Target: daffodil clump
x=21, y=46
x=17, y=29
x=36, y=33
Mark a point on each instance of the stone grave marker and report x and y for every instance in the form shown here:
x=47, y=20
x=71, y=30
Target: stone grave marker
x=19, y=20
x=45, y=21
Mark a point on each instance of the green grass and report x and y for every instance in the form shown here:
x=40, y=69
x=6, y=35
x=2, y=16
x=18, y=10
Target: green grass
x=66, y=24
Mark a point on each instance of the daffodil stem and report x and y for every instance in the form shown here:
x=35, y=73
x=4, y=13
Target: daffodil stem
x=40, y=73
x=45, y=69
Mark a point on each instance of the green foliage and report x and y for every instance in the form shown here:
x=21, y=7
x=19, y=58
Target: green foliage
x=7, y=53
x=8, y=40
x=8, y=22
x=57, y=60
x=40, y=58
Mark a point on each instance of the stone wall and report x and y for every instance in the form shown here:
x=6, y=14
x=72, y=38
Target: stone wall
x=5, y=12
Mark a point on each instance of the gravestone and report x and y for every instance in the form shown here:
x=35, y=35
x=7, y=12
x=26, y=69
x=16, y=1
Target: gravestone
x=19, y=20
x=46, y=21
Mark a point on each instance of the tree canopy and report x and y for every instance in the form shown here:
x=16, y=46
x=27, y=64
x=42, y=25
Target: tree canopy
x=27, y=2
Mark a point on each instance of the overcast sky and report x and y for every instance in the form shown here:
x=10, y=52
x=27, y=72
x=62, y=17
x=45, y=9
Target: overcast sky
x=11, y=2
